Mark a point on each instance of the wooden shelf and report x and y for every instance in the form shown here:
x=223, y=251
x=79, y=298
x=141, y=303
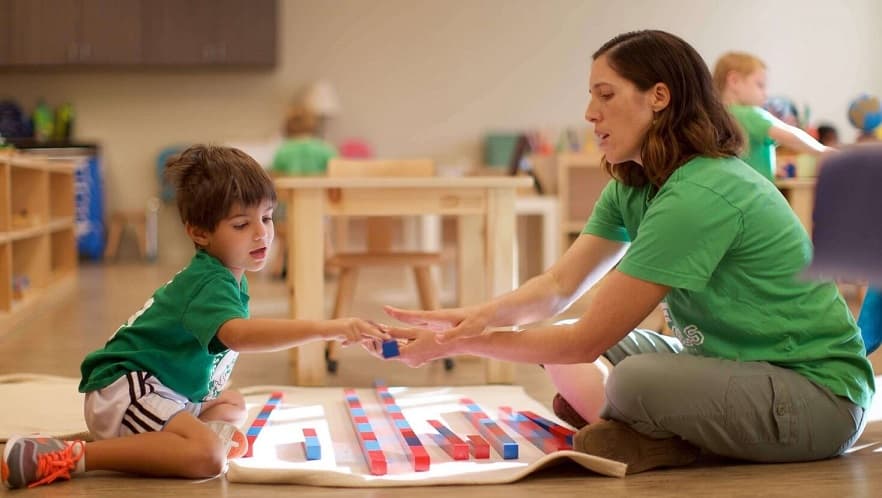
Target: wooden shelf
x=37, y=234
x=580, y=180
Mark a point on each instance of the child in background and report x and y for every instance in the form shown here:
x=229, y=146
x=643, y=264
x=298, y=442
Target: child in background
x=302, y=153
x=155, y=399
x=828, y=135
x=740, y=79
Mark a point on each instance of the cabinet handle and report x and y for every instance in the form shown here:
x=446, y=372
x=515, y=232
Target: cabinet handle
x=207, y=53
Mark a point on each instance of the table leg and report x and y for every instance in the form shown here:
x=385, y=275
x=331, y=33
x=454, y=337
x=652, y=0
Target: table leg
x=306, y=282
x=499, y=237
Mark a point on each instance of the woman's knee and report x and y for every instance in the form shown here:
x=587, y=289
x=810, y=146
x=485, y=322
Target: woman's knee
x=635, y=379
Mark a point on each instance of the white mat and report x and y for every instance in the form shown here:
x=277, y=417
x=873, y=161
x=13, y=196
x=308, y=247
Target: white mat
x=45, y=404
x=279, y=455
x=51, y=405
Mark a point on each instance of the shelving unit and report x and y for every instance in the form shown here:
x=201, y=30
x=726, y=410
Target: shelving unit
x=580, y=180
x=38, y=252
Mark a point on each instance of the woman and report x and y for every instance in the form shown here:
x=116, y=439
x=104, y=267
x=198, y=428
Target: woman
x=767, y=367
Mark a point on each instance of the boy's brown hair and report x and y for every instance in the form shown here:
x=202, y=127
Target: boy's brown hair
x=209, y=180
x=740, y=62
x=695, y=122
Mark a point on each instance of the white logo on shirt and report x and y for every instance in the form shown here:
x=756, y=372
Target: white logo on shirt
x=690, y=336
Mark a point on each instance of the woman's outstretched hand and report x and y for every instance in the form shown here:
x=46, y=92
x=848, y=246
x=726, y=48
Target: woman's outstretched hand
x=416, y=346
x=447, y=324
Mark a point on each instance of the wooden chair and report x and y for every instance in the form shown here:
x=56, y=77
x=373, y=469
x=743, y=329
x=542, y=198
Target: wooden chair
x=379, y=242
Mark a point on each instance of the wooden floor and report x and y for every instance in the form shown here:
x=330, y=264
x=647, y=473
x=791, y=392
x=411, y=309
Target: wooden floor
x=55, y=341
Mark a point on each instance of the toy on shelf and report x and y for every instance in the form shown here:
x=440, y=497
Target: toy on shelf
x=20, y=286
x=24, y=219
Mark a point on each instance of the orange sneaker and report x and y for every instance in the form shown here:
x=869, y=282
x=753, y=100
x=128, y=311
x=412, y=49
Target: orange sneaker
x=234, y=440
x=34, y=460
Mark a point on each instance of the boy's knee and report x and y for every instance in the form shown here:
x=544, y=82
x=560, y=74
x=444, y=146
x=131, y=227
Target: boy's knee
x=233, y=397
x=208, y=457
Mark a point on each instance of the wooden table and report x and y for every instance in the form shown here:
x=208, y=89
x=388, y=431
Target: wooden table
x=800, y=194
x=485, y=207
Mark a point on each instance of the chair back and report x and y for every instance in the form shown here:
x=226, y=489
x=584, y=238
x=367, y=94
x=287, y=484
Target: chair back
x=847, y=237
x=378, y=229
x=365, y=168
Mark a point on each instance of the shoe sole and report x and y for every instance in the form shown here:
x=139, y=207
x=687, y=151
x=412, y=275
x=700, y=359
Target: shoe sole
x=4, y=467
x=618, y=442
x=240, y=445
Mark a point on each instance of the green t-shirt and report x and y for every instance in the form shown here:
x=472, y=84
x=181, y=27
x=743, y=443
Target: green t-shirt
x=760, y=150
x=173, y=336
x=303, y=156
x=732, y=251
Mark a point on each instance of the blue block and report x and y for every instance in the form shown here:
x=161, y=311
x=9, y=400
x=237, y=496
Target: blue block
x=312, y=448
x=413, y=441
x=390, y=348
x=372, y=445
x=402, y=424
x=509, y=451
x=253, y=431
x=393, y=408
x=364, y=427
x=313, y=452
x=357, y=412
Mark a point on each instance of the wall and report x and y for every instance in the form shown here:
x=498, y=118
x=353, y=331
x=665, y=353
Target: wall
x=422, y=77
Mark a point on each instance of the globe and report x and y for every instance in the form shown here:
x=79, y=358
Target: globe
x=783, y=108
x=865, y=112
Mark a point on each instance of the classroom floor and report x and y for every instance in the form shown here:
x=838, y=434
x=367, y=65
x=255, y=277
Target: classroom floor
x=55, y=341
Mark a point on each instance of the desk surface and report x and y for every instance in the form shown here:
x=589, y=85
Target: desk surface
x=795, y=182
x=404, y=182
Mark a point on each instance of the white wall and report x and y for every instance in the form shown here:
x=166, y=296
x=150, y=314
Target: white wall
x=420, y=77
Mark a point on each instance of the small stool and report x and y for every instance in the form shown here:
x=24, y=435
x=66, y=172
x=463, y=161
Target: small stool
x=118, y=222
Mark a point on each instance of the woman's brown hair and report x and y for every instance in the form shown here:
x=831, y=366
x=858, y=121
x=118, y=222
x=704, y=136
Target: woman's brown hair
x=695, y=122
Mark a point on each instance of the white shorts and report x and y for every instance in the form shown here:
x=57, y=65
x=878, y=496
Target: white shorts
x=134, y=403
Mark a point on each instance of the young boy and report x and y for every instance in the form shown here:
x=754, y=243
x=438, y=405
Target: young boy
x=154, y=401
x=740, y=79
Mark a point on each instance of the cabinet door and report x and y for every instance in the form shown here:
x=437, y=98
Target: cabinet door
x=179, y=33
x=5, y=32
x=110, y=32
x=246, y=32
x=44, y=31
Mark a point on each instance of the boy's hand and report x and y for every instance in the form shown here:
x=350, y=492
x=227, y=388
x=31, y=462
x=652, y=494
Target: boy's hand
x=353, y=330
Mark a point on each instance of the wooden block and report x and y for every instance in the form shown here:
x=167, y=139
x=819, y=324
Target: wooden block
x=495, y=436
x=311, y=446
x=412, y=445
x=260, y=421
x=449, y=442
x=478, y=446
x=367, y=440
x=552, y=427
x=541, y=438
